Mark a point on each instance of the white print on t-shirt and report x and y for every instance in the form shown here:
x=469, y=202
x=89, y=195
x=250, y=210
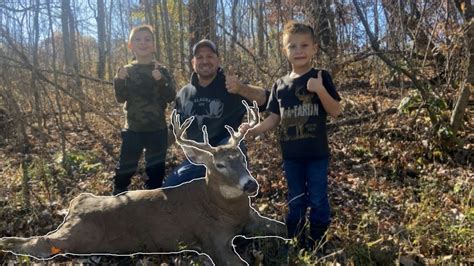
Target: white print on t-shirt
x=297, y=117
x=202, y=108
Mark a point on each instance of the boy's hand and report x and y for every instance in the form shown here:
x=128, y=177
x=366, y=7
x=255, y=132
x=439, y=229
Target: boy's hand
x=122, y=73
x=232, y=83
x=315, y=84
x=156, y=73
x=244, y=127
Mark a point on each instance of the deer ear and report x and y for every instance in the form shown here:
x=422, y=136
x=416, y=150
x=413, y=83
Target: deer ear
x=196, y=155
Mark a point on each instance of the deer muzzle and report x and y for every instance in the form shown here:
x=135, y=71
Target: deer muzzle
x=251, y=186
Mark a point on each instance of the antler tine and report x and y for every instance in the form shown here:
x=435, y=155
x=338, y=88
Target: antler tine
x=253, y=118
x=252, y=113
x=205, y=135
x=179, y=129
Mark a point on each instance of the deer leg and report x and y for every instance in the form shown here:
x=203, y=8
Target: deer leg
x=223, y=254
x=38, y=247
x=74, y=236
x=262, y=226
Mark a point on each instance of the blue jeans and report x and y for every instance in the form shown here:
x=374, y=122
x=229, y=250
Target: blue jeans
x=188, y=171
x=307, y=187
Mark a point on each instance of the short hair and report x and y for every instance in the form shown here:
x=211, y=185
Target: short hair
x=292, y=27
x=141, y=28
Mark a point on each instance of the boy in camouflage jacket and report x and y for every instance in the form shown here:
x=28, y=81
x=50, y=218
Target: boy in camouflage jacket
x=146, y=87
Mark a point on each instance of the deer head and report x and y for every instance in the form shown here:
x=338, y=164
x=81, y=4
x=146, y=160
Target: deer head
x=226, y=165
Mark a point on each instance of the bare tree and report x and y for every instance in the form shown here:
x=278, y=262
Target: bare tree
x=60, y=122
x=167, y=34
x=182, y=57
x=108, y=41
x=201, y=22
x=323, y=20
x=466, y=8
x=233, y=17
x=101, y=38
x=261, y=29
x=38, y=109
x=71, y=62
x=156, y=25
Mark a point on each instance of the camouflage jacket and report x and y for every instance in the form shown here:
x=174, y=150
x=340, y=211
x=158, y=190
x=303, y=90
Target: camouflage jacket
x=145, y=98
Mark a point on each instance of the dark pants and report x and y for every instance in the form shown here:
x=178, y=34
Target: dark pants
x=307, y=188
x=133, y=143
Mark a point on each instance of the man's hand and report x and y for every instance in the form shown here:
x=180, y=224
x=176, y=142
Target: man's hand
x=315, y=84
x=122, y=73
x=156, y=73
x=233, y=84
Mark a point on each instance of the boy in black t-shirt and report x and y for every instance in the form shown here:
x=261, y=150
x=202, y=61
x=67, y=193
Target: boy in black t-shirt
x=300, y=102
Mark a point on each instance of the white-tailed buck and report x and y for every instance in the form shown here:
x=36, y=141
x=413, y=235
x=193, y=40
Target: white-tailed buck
x=203, y=215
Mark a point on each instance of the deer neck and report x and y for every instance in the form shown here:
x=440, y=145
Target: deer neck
x=221, y=199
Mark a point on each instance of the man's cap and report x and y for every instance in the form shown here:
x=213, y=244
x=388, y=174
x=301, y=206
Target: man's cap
x=207, y=43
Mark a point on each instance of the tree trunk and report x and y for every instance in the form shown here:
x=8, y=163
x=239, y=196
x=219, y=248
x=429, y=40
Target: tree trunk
x=260, y=29
x=60, y=122
x=325, y=29
x=201, y=23
x=23, y=143
x=233, y=16
x=182, y=57
x=72, y=64
x=37, y=105
x=108, y=43
x=223, y=50
x=212, y=19
x=167, y=31
x=467, y=10
x=100, y=18
x=148, y=12
x=124, y=29
x=157, y=31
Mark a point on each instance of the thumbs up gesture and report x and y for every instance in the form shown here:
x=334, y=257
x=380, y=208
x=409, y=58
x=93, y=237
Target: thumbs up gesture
x=122, y=73
x=156, y=73
x=232, y=82
x=315, y=84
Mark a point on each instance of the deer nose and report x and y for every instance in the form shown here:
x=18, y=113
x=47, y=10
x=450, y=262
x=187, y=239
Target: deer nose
x=250, y=187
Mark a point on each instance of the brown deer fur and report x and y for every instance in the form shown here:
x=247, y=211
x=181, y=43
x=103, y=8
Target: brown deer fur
x=203, y=215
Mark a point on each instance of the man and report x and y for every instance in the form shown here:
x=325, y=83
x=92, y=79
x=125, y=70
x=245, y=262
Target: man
x=215, y=100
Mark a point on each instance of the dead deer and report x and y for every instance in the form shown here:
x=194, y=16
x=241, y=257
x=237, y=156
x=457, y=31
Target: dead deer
x=203, y=215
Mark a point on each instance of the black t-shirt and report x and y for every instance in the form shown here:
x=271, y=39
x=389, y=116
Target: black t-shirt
x=212, y=106
x=303, y=132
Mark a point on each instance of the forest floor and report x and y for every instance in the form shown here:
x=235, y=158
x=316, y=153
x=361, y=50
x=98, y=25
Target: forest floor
x=395, y=197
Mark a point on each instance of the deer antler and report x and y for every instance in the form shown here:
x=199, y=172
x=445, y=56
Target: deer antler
x=179, y=129
x=253, y=117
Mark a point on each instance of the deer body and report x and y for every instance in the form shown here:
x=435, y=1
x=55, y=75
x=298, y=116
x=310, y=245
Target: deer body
x=203, y=215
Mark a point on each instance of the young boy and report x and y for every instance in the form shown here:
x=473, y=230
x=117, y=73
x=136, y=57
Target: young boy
x=300, y=102
x=145, y=87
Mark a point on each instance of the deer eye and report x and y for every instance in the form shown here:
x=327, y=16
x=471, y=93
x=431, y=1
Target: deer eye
x=220, y=165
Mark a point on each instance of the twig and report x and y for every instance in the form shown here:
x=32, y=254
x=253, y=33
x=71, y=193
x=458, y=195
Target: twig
x=360, y=119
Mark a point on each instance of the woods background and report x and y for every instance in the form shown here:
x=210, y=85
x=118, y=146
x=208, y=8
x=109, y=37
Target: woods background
x=401, y=175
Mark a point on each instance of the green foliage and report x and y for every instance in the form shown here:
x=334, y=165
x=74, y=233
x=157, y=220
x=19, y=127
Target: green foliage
x=410, y=102
x=432, y=227
x=82, y=162
x=414, y=101
x=361, y=151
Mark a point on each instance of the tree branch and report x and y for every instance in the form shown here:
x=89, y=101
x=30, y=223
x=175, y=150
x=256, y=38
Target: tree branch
x=32, y=68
